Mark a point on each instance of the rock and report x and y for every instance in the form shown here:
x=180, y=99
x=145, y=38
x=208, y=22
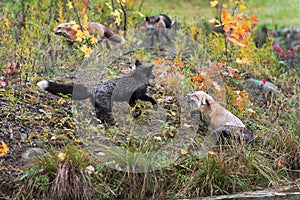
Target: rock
x=32, y=153
x=260, y=85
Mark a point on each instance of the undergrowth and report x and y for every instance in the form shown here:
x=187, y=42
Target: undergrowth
x=69, y=169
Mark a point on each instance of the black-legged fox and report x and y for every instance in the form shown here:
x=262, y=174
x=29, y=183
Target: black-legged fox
x=128, y=88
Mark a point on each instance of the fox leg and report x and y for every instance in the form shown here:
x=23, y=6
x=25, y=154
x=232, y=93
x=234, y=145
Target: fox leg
x=152, y=39
x=149, y=99
x=165, y=34
x=137, y=111
x=103, y=109
x=107, y=44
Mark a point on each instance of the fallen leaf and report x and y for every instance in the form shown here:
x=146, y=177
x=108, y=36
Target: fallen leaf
x=90, y=169
x=3, y=149
x=77, y=141
x=3, y=83
x=184, y=152
x=61, y=156
x=280, y=162
x=61, y=101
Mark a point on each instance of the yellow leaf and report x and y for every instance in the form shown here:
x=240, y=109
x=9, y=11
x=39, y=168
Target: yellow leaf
x=173, y=113
x=77, y=141
x=211, y=152
x=70, y=5
x=242, y=7
x=3, y=149
x=184, y=152
x=213, y=3
x=87, y=51
x=61, y=101
x=85, y=21
x=94, y=41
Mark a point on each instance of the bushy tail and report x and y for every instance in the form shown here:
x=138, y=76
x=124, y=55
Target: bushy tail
x=113, y=36
x=167, y=20
x=77, y=91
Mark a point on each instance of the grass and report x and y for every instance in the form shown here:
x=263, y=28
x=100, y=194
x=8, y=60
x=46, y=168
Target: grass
x=32, y=118
x=282, y=13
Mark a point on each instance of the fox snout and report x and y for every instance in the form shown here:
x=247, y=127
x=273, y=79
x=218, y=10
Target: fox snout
x=57, y=32
x=60, y=32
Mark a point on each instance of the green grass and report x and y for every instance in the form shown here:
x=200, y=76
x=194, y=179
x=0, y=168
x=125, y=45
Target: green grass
x=32, y=118
x=283, y=13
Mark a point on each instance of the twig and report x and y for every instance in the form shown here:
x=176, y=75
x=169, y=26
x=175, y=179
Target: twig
x=125, y=17
x=141, y=5
x=224, y=33
x=113, y=5
x=234, y=9
x=77, y=15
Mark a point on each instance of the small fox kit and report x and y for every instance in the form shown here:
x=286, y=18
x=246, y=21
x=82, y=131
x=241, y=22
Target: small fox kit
x=128, y=88
x=69, y=31
x=219, y=118
x=156, y=26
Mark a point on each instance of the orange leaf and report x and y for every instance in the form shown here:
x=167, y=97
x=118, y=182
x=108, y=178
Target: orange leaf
x=254, y=19
x=3, y=149
x=280, y=163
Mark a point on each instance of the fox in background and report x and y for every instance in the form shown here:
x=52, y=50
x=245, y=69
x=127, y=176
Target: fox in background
x=128, y=88
x=156, y=27
x=103, y=32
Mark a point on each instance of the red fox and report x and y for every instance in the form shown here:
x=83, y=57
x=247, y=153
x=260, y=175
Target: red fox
x=156, y=26
x=219, y=118
x=69, y=31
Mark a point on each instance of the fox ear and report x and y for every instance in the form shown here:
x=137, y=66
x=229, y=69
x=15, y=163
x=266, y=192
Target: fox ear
x=138, y=63
x=147, y=19
x=205, y=102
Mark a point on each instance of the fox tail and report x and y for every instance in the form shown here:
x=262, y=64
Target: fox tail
x=77, y=91
x=113, y=36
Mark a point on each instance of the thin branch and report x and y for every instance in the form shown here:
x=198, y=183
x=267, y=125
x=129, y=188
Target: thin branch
x=234, y=9
x=77, y=15
x=125, y=16
x=113, y=5
x=224, y=33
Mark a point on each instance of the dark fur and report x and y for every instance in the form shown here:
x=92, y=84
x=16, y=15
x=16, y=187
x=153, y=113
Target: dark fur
x=128, y=88
x=153, y=29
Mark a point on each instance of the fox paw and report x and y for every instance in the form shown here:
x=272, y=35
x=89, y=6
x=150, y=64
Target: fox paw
x=137, y=113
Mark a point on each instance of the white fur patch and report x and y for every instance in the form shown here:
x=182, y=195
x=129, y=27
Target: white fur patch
x=43, y=84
